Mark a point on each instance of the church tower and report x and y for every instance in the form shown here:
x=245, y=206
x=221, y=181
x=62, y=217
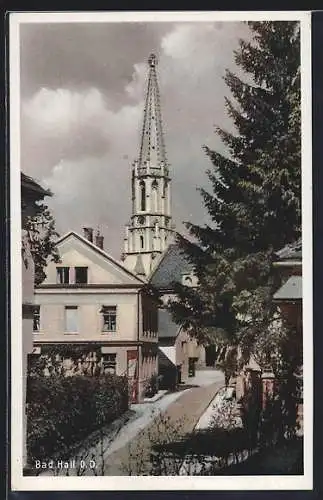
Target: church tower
x=150, y=229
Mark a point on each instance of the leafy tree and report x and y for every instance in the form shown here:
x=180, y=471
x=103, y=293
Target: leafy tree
x=255, y=199
x=41, y=236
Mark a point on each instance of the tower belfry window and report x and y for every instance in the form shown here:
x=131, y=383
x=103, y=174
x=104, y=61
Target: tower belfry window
x=141, y=242
x=142, y=196
x=155, y=196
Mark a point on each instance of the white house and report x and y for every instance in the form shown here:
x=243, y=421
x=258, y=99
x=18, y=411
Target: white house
x=91, y=300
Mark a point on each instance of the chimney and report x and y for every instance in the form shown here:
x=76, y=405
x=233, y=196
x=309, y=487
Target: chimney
x=88, y=233
x=99, y=240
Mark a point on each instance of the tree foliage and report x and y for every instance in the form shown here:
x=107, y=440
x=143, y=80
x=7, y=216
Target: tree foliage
x=41, y=237
x=254, y=200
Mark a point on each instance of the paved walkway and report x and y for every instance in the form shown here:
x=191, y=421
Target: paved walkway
x=181, y=416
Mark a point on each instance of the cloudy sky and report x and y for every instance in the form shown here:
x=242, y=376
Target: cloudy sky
x=82, y=92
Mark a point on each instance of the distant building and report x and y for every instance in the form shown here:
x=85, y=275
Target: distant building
x=178, y=353
x=91, y=302
x=177, y=349
x=31, y=193
x=289, y=296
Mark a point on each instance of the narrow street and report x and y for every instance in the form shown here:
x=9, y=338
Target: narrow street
x=180, y=416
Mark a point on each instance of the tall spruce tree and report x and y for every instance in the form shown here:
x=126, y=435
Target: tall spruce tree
x=255, y=200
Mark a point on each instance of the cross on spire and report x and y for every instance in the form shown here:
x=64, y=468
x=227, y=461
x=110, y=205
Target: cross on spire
x=152, y=61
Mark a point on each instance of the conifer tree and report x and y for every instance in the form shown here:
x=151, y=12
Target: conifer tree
x=255, y=198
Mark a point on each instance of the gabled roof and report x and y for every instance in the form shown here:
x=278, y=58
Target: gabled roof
x=168, y=353
x=100, y=252
x=167, y=328
x=293, y=251
x=31, y=185
x=291, y=290
x=172, y=265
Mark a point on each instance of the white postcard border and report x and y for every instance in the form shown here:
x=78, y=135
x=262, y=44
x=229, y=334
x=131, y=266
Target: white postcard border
x=43, y=483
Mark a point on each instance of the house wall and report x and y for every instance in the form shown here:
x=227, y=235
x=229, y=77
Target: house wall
x=27, y=296
x=287, y=270
x=52, y=324
x=27, y=324
x=136, y=319
x=90, y=320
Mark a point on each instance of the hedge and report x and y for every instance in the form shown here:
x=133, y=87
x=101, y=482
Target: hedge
x=61, y=411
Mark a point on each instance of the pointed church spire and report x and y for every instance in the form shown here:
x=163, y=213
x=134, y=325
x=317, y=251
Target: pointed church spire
x=152, y=147
x=150, y=230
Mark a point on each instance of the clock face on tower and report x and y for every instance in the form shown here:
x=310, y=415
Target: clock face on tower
x=141, y=219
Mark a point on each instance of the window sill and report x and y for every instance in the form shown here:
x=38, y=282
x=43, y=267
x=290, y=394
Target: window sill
x=37, y=332
x=71, y=333
x=108, y=331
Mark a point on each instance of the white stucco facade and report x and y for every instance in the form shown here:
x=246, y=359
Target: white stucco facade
x=109, y=287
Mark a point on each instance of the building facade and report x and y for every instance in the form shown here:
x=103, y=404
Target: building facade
x=150, y=229
x=31, y=193
x=289, y=299
x=93, y=304
x=179, y=353
x=289, y=296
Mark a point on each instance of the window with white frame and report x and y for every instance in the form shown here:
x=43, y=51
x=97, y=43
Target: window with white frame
x=109, y=314
x=63, y=275
x=109, y=362
x=71, y=319
x=36, y=319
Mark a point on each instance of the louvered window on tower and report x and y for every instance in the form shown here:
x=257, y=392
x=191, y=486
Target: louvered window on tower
x=142, y=196
x=155, y=196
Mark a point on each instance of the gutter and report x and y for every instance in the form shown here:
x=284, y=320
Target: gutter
x=289, y=263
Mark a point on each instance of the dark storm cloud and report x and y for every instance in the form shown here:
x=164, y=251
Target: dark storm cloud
x=82, y=104
x=79, y=55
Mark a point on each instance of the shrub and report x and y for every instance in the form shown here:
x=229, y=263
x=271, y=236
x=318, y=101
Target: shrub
x=62, y=411
x=152, y=386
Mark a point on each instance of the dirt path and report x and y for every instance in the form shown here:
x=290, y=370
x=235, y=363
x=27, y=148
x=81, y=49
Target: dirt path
x=182, y=415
